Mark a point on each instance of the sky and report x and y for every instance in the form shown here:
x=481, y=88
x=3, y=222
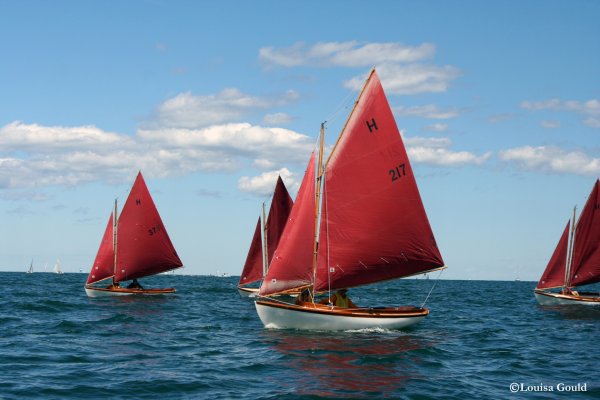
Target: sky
x=498, y=104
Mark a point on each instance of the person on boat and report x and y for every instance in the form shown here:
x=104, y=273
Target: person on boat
x=134, y=284
x=114, y=285
x=570, y=292
x=303, y=297
x=340, y=299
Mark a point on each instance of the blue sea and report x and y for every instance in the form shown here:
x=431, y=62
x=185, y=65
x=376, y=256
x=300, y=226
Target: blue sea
x=481, y=339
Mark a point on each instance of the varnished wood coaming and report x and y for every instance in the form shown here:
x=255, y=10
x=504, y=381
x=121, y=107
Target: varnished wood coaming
x=133, y=291
x=583, y=297
x=363, y=312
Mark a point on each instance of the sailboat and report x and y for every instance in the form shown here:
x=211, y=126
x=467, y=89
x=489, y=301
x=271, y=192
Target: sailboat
x=576, y=259
x=30, y=270
x=262, y=248
x=135, y=244
x=357, y=219
x=56, y=268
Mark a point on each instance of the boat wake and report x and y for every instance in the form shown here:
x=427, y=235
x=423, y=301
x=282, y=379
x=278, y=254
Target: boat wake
x=371, y=330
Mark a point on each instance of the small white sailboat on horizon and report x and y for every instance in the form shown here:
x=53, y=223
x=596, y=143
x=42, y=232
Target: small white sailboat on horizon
x=30, y=270
x=56, y=269
x=576, y=259
x=368, y=226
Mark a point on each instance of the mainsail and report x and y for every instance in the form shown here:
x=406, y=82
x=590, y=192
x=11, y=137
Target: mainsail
x=554, y=275
x=373, y=223
x=103, y=266
x=291, y=266
x=586, y=248
x=281, y=206
x=143, y=246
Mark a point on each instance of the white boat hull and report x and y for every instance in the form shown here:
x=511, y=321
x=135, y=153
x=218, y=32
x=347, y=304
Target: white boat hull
x=92, y=291
x=546, y=298
x=285, y=316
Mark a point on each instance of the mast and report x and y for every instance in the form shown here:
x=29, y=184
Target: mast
x=570, y=254
x=318, y=200
x=115, y=243
x=265, y=244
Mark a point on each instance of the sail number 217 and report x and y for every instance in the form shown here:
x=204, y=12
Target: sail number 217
x=397, y=173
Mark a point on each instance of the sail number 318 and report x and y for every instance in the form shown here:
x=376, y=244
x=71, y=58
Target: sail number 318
x=397, y=173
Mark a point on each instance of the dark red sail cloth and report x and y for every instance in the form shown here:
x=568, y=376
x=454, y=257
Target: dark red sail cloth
x=104, y=264
x=292, y=262
x=373, y=223
x=279, y=212
x=586, y=249
x=143, y=245
x=253, y=268
x=281, y=207
x=554, y=275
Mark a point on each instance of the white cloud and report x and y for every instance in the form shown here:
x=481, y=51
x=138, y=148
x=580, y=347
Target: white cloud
x=589, y=109
x=436, y=151
x=189, y=111
x=552, y=159
x=410, y=79
x=78, y=157
x=20, y=136
x=277, y=119
x=429, y=111
x=264, y=184
x=435, y=143
x=263, y=163
x=236, y=139
x=345, y=54
x=550, y=124
x=445, y=157
x=436, y=127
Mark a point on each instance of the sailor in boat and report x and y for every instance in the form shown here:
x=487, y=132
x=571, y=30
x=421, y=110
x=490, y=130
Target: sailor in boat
x=134, y=285
x=303, y=297
x=113, y=285
x=339, y=299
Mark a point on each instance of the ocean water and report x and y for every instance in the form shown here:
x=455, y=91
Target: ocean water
x=208, y=342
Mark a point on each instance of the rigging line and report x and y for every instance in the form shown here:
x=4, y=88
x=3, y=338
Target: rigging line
x=344, y=105
x=432, y=287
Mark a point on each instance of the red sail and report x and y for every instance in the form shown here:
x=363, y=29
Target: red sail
x=143, y=245
x=586, y=249
x=373, y=223
x=554, y=275
x=104, y=264
x=253, y=268
x=291, y=266
x=281, y=207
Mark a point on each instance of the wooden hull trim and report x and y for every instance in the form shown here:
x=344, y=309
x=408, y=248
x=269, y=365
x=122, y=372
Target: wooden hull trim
x=322, y=317
x=546, y=298
x=253, y=292
x=92, y=291
x=247, y=292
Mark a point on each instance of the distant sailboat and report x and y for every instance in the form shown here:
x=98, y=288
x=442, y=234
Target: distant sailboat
x=57, y=269
x=134, y=245
x=261, y=251
x=30, y=270
x=576, y=259
x=370, y=225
